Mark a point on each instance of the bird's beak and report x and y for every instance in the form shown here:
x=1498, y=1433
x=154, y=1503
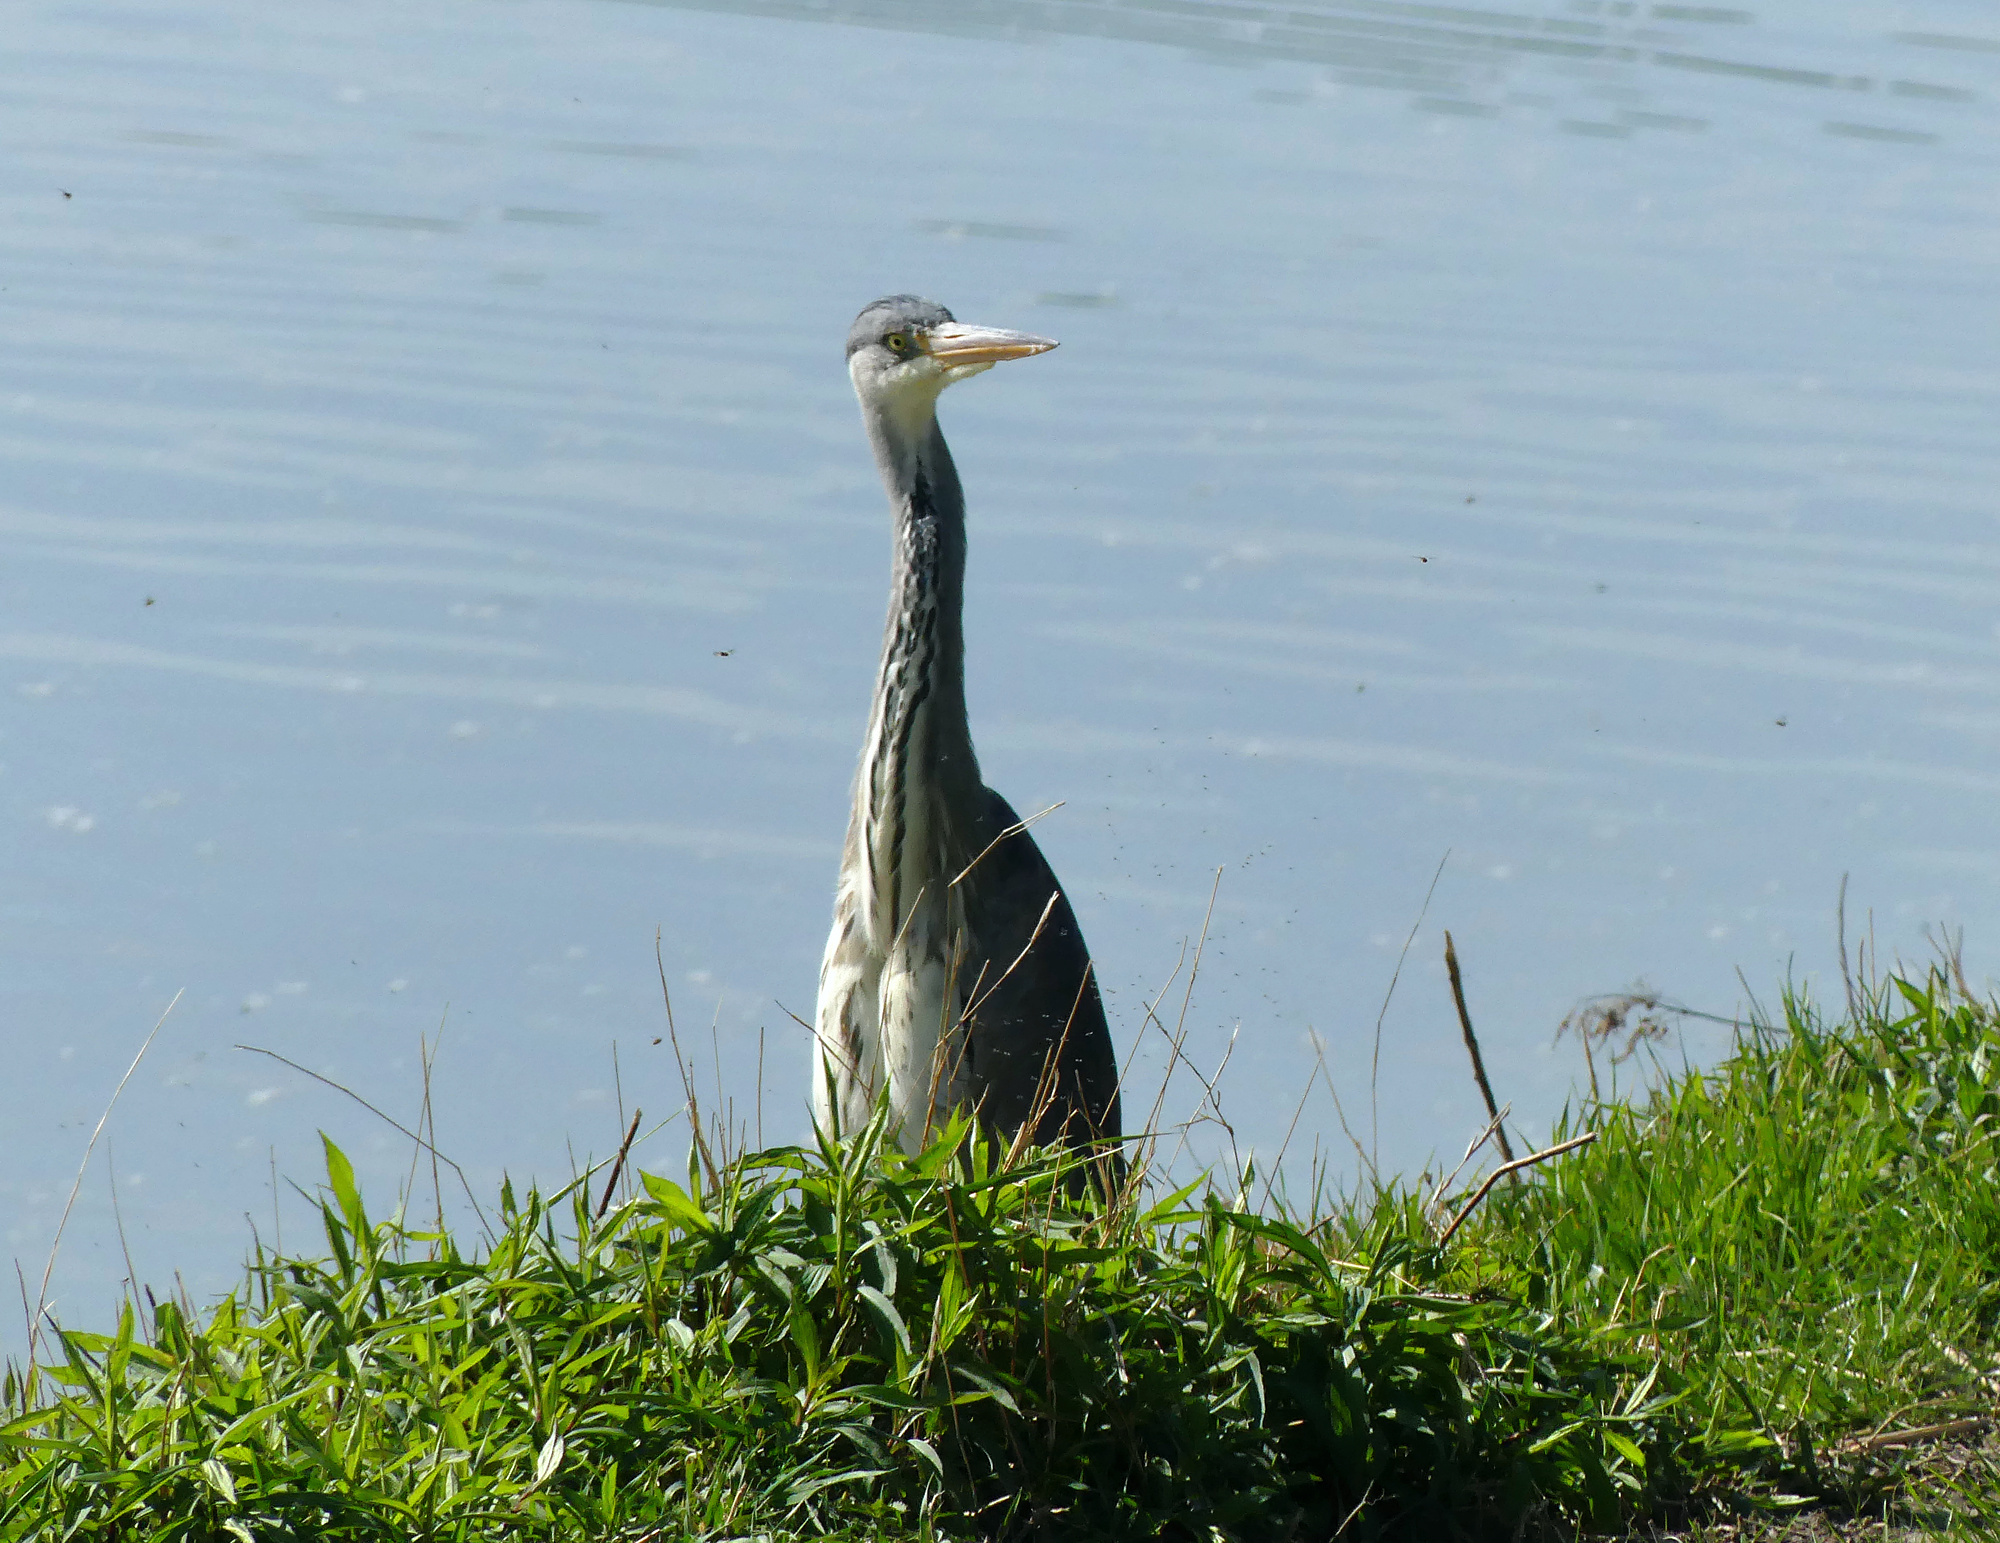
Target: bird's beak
x=956, y=345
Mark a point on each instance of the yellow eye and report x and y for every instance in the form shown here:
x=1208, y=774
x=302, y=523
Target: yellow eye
x=898, y=342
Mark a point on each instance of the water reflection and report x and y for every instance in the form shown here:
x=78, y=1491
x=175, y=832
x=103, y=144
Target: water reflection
x=1461, y=60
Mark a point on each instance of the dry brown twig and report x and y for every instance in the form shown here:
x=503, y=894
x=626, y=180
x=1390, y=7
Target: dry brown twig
x=1498, y=1130
x=1882, y=1440
x=1012, y=830
x=618, y=1165
x=1504, y=1169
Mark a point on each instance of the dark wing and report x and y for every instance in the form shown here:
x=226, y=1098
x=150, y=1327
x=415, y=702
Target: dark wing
x=1045, y=1012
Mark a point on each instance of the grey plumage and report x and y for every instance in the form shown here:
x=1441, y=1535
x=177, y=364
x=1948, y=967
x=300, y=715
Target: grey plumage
x=955, y=975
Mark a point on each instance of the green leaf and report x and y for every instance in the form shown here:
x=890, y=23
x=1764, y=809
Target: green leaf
x=550, y=1459
x=340, y=1178
x=805, y=1334
x=988, y=1386
x=927, y=1452
x=673, y=1202
x=886, y=1314
x=219, y=1479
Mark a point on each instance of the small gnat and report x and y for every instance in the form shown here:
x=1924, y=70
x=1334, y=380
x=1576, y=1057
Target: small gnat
x=262, y=1096
x=68, y=817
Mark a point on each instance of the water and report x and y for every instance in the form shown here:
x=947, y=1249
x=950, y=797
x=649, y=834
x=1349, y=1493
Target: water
x=1555, y=443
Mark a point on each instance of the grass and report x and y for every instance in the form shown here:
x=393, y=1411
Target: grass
x=1746, y=1295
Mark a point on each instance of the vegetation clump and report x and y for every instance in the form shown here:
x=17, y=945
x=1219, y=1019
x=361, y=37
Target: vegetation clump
x=1752, y=1278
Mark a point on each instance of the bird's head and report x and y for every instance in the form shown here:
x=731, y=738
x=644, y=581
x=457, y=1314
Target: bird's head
x=902, y=351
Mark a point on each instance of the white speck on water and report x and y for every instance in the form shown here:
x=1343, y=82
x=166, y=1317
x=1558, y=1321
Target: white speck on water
x=1717, y=933
x=67, y=1053
x=398, y=984
x=37, y=688
x=465, y=728
x=255, y=1001
x=1500, y=871
x=700, y=977
x=595, y=989
x=69, y=817
x=291, y=988
x=166, y=798
x=575, y=951
x=261, y=1097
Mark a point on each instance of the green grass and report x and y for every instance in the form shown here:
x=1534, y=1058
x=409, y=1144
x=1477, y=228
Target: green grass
x=1748, y=1270
x=1807, y=1239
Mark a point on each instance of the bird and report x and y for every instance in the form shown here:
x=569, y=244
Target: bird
x=955, y=976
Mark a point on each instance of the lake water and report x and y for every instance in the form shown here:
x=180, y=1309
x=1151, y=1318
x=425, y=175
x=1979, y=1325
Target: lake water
x=1553, y=441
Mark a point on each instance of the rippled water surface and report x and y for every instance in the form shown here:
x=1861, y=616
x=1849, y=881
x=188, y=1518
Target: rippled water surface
x=1553, y=442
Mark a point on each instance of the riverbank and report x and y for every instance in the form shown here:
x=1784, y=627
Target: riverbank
x=1762, y=1298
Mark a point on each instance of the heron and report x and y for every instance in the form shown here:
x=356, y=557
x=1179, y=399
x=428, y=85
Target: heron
x=955, y=976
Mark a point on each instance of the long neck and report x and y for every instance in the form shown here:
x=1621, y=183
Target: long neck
x=923, y=643
x=918, y=766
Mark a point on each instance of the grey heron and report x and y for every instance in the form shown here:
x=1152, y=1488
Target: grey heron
x=955, y=976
